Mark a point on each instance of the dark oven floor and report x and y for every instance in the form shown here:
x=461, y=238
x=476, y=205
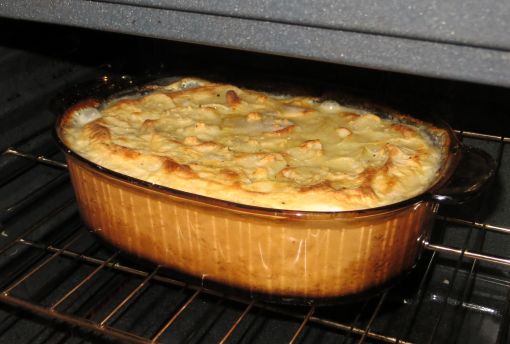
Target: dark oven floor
x=60, y=284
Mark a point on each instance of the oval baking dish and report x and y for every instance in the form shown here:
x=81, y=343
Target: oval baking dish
x=293, y=256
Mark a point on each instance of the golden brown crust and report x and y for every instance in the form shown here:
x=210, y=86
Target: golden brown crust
x=403, y=129
x=97, y=132
x=248, y=147
x=232, y=98
x=71, y=111
x=172, y=167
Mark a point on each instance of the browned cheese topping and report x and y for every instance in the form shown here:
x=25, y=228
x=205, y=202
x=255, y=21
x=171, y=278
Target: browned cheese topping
x=258, y=149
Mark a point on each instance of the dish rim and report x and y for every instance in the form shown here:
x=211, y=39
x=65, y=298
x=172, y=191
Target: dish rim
x=451, y=149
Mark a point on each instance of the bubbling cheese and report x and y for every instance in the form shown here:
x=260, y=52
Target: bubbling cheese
x=253, y=148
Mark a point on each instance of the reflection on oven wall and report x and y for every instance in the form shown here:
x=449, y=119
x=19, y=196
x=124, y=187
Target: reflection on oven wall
x=60, y=284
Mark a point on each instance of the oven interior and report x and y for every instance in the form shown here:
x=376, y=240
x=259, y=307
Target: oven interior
x=61, y=284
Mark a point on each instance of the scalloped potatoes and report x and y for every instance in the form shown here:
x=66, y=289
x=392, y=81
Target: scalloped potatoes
x=258, y=149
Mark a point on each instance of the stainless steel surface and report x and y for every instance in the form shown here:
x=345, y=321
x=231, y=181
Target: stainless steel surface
x=84, y=323
x=175, y=316
x=39, y=158
x=36, y=268
x=83, y=281
x=372, y=317
x=128, y=298
x=237, y=322
x=466, y=253
x=486, y=226
x=483, y=136
x=302, y=325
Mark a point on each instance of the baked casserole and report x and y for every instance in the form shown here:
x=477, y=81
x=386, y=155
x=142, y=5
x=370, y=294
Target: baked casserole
x=295, y=198
x=258, y=149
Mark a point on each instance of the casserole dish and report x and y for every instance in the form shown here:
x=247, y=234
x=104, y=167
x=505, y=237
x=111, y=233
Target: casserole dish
x=288, y=255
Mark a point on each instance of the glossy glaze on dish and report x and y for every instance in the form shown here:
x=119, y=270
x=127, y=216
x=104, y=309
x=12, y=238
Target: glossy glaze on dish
x=307, y=257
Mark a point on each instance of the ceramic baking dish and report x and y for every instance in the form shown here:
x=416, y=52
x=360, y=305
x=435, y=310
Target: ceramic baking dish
x=290, y=256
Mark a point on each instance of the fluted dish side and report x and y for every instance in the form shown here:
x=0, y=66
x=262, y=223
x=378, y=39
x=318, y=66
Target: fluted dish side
x=266, y=254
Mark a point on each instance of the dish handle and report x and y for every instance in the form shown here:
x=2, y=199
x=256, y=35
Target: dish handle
x=475, y=171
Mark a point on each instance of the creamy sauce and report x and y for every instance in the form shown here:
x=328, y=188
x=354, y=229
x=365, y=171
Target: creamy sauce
x=253, y=148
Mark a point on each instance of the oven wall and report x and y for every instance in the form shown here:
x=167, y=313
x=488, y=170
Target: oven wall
x=40, y=63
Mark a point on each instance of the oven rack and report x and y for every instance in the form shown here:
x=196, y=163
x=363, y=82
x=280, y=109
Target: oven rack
x=301, y=317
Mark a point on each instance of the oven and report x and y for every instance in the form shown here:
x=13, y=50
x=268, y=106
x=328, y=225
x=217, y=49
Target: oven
x=61, y=284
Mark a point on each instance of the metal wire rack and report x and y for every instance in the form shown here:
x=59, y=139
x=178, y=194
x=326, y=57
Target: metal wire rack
x=28, y=254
